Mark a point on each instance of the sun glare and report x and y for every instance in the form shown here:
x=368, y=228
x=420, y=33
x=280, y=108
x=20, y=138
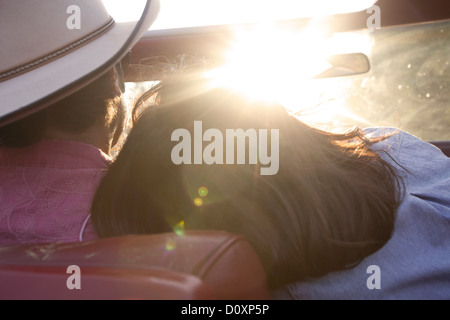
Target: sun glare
x=267, y=62
x=131, y=12
x=278, y=65
x=182, y=13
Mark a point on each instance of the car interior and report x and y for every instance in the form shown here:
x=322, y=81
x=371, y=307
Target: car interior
x=396, y=75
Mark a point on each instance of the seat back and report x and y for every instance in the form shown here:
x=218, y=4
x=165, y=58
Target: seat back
x=196, y=265
x=99, y=283
x=443, y=145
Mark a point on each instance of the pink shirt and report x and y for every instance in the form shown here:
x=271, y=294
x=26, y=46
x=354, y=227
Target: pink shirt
x=46, y=191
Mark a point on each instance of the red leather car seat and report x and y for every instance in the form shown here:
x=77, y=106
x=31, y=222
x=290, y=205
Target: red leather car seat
x=196, y=265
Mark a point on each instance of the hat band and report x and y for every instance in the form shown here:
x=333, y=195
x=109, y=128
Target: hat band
x=56, y=54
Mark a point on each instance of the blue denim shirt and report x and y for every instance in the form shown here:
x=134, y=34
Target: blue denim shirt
x=415, y=263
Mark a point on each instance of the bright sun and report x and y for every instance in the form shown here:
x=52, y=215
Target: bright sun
x=273, y=64
x=270, y=63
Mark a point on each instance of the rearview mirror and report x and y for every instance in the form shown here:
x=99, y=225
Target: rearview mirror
x=346, y=65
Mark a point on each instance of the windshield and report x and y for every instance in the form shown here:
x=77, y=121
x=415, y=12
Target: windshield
x=408, y=86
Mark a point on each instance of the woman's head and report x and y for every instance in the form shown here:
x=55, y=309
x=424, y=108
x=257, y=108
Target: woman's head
x=327, y=202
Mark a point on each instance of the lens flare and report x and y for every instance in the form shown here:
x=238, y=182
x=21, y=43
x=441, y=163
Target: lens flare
x=198, y=202
x=179, y=228
x=170, y=244
x=203, y=191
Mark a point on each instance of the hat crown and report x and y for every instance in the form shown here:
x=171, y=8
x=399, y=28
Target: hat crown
x=31, y=32
x=51, y=48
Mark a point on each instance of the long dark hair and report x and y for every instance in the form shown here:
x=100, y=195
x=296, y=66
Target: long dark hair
x=332, y=202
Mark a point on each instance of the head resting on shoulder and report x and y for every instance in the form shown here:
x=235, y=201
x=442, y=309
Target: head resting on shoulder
x=330, y=203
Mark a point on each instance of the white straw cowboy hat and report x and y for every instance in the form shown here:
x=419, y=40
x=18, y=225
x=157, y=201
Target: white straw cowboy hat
x=52, y=48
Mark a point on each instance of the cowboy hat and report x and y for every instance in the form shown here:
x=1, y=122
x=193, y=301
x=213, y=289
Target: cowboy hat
x=50, y=49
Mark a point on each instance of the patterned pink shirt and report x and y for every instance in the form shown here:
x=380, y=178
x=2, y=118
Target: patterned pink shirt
x=46, y=191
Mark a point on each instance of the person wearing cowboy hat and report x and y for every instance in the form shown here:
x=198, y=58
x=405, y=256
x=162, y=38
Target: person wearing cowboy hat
x=61, y=81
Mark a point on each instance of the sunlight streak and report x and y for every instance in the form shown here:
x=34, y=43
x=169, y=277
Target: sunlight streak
x=268, y=61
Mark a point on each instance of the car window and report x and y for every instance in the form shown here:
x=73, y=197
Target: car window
x=407, y=86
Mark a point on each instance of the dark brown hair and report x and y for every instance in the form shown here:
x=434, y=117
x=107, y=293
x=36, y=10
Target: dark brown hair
x=332, y=202
x=98, y=101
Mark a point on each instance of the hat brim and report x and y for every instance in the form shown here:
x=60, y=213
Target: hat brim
x=41, y=87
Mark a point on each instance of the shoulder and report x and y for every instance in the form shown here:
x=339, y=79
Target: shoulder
x=404, y=148
x=414, y=263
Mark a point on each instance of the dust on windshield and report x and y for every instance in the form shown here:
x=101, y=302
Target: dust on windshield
x=408, y=86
